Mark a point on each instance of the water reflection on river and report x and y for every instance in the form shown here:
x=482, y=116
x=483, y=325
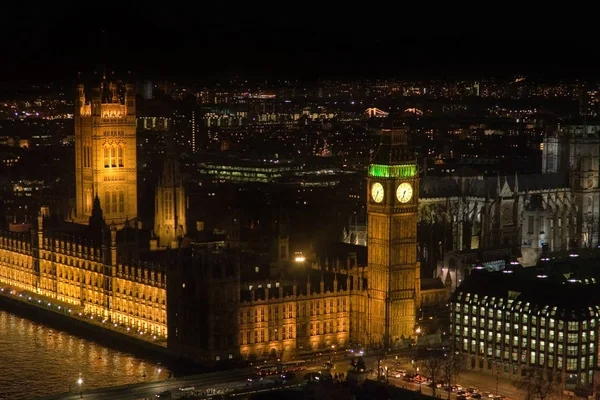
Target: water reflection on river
x=36, y=360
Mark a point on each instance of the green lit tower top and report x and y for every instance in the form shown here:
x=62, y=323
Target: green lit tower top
x=393, y=158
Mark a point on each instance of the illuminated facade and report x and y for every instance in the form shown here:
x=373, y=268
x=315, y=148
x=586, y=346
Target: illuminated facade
x=228, y=305
x=507, y=322
x=105, y=152
x=248, y=172
x=220, y=304
x=325, y=312
x=87, y=277
x=302, y=304
x=394, y=272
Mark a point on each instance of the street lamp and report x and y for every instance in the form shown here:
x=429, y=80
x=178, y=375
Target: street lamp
x=499, y=364
x=80, y=382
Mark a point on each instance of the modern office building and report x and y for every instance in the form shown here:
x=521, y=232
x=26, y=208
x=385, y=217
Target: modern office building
x=546, y=317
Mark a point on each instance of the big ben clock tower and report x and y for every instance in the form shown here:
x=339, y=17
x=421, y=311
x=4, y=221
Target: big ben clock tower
x=394, y=273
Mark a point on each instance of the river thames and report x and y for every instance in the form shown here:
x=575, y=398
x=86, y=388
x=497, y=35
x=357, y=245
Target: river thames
x=40, y=361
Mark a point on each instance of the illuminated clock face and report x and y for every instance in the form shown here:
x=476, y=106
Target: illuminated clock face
x=404, y=192
x=377, y=192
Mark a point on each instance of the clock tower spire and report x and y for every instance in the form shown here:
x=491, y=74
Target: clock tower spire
x=393, y=269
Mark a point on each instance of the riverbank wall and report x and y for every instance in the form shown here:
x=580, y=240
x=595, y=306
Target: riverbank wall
x=59, y=318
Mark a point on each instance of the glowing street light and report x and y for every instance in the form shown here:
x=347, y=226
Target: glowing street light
x=299, y=257
x=80, y=382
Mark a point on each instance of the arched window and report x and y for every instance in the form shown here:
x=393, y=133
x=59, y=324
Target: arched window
x=113, y=157
x=121, y=201
x=106, y=157
x=168, y=205
x=106, y=205
x=120, y=156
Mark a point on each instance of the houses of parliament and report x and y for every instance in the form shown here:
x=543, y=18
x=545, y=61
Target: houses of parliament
x=212, y=304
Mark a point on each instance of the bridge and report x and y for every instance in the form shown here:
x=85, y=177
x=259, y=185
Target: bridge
x=376, y=113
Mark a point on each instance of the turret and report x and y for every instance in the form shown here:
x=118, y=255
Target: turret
x=40, y=221
x=335, y=281
x=322, y=284
x=113, y=93
x=80, y=99
x=113, y=247
x=130, y=99
x=498, y=186
x=96, y=102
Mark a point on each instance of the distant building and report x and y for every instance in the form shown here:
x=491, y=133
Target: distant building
x=145, y=89
x=355, y=232
x=154, y=123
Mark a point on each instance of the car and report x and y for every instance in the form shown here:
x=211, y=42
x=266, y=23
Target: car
x=288, y=376
x=313, y=377
x=165, y=394
x=187, y=389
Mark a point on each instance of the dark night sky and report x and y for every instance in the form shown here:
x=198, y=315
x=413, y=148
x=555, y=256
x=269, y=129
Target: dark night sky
x=51, y=43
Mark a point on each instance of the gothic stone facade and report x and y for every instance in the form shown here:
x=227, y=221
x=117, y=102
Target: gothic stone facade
x=226, y=305
x=105, y=152
x=556, y=210
x=87, y=278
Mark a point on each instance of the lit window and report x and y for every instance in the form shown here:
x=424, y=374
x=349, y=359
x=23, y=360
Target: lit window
x=106, y=157
x=113, y=157
x=120, y=156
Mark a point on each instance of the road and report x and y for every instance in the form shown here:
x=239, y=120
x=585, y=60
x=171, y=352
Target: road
x=238, y=379
x=467, y=379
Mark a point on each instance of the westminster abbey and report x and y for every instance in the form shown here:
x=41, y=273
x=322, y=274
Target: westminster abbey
x=221, y=303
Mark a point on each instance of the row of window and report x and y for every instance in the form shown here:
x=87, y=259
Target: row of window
x=574, y=362
x=327, y=327
x=267, y=335
x=113, y=156
x=258, y=314
x=114, y=202
x=572, y=338
x=523, y=318
x=534, y=344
